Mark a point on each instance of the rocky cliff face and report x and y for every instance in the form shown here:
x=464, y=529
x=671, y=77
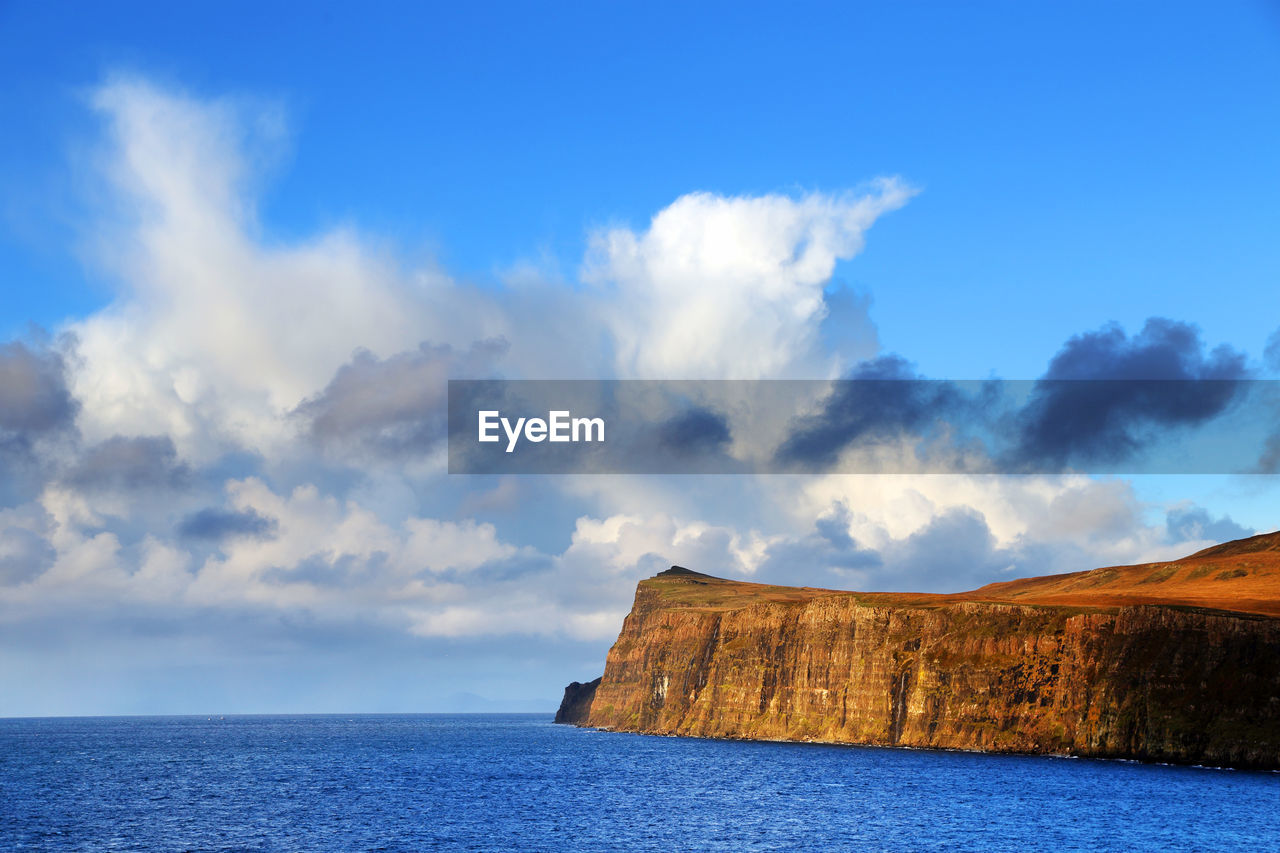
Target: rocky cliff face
x=575, y=707
x=707, y=657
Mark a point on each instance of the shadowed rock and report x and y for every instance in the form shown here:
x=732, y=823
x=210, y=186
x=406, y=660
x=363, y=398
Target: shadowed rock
x=575, y=707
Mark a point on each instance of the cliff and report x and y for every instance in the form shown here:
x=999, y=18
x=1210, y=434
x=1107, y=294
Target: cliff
x=575, y=707
x=1121, y=662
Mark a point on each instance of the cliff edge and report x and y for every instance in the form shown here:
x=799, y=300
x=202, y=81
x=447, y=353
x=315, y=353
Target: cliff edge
x=575, y=707
x=1175, y=662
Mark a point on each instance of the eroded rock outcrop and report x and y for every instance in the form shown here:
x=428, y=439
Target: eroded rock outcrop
x=575, y=707
x=1170, y=682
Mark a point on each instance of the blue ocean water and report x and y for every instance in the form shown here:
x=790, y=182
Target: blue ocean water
x=518, y=782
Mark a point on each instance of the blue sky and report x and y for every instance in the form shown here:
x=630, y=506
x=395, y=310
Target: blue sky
x=207, y=211
x=1140, y=135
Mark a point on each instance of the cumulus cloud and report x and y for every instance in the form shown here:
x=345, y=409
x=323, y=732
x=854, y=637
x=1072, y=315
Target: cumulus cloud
x=393, y=406
x=696, y=431
x=828, y=551
x=319, y=356
x=1194, y=524
x=1033, y=525
x=1095, y=403
x=34, y=398
x=24, y=554
x=883, y=402
x=221, y=341
x=1106, y=399
x=730, y=287
x=214, y=525
x=130, y=463
x=37, y=416
x=948, y=533
x=956, y=551
x=308, y=556
x=217, y=332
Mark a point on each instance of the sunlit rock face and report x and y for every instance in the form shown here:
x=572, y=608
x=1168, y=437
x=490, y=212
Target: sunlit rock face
x=1167, y=682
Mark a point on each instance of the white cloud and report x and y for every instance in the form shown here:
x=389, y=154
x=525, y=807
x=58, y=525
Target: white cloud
x=216, y=333
x=335, y=561
x=1086, y=522
x=461, y=546
x=729, y=287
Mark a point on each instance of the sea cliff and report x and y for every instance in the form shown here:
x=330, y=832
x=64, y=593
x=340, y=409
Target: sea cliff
x=1171, y=681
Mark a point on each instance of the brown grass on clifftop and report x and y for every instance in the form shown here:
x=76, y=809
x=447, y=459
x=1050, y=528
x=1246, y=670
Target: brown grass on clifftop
x=1242, y=576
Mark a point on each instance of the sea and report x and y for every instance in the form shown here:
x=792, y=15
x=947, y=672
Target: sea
x=518, y=782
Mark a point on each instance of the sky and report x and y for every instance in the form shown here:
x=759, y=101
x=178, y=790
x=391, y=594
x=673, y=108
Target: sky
x=245, y=245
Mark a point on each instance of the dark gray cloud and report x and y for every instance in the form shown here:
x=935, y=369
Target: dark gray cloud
x=1194, y=523
x=130, y=463
x=1104, y=400
x=34, y=398
x=884, y=400
x=395, y=405
x=36, y=410
x=216, y=525
x=1097, y=403
x=696, y=430
x=1164, y=349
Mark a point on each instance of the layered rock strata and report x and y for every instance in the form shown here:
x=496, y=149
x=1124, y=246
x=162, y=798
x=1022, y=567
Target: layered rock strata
x=1174, y=682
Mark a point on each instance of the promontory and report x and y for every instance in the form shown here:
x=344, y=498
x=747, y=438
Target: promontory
x=1175, y=662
